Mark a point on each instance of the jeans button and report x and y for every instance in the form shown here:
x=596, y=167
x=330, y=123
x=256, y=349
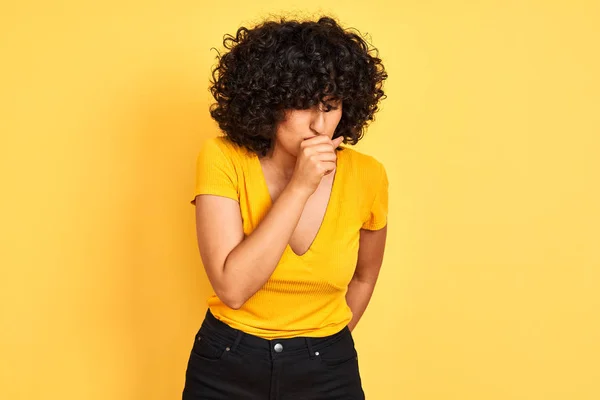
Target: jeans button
x=278, y=347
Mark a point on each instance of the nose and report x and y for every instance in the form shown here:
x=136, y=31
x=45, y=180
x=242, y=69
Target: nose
x=317, y=122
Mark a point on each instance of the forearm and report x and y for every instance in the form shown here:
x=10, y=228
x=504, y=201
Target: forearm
x=358, y=296
x=251, y=263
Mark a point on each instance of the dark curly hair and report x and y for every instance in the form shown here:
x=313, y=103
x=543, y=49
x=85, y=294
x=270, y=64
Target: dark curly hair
x=291, y=64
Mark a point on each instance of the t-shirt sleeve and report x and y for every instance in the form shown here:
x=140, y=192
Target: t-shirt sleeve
x=378, y=214
x=215, y=172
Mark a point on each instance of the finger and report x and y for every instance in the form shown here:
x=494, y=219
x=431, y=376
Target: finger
x=317, y=138
x=329, y=167
x=326, y=156
x=323, y=147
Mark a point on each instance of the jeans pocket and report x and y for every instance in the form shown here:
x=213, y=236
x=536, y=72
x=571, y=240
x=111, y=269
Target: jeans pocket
x=208, y=349
x=338, y=353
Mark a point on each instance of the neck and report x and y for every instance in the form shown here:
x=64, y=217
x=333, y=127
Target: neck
x=280, y=161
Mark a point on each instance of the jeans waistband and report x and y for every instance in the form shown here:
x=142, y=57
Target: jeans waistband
x=225, y=333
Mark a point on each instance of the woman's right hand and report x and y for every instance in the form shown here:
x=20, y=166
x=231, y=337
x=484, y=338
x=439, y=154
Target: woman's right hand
x=316, y=158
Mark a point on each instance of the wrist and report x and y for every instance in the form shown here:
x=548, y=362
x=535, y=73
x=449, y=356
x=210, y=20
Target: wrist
x=298, y=190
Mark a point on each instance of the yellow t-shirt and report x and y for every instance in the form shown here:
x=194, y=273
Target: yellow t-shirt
x=305, y=295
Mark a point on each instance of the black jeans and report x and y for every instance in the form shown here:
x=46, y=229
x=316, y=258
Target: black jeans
x=226, y=363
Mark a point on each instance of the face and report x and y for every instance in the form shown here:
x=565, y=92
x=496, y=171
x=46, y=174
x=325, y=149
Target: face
x=301, y=124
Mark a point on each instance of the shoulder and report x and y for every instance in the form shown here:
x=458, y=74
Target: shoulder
x=366, y=174
x=220, y=143
x=363, y=165
x=221, y=147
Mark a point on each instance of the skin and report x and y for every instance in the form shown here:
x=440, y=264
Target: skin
x=299, y=170
x=299, y=125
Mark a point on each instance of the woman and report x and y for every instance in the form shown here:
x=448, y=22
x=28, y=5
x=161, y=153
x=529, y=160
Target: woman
x=291, y=227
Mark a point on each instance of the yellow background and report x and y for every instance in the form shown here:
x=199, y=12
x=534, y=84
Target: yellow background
x=490, y=287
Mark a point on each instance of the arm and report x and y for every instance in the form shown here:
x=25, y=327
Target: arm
x=370, y=257
x=238, y=267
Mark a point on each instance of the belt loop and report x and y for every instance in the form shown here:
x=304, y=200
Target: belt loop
x=237, y=340
x=311, y=353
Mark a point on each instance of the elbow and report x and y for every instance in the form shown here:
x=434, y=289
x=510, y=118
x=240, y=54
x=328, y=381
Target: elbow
x=231, y=299
x=235, y=304
x=230, y=293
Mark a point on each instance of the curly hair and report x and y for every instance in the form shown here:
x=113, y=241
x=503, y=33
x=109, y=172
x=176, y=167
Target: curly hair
x=291, y=64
